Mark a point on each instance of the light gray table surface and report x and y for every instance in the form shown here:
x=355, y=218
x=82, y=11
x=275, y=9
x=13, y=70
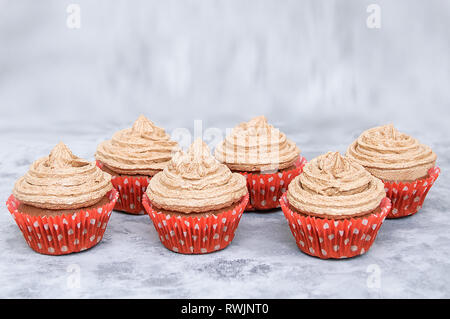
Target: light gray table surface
x=411, y=255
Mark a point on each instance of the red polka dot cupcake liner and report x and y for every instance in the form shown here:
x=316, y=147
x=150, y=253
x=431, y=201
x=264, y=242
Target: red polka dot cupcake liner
x=196, y=235
x=131, y=190
x=328, y=238
x=408, y=198
x=63, y=234
x=265, y=190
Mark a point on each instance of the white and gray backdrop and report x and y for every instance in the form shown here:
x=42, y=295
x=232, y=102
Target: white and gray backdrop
x=315, y=68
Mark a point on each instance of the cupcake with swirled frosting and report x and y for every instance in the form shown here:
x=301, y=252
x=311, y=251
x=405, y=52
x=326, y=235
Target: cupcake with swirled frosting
x=407, y=167
x=196, y=202
x=335, y=207
x=132, y=157
x=55, y=197
x=265, y=156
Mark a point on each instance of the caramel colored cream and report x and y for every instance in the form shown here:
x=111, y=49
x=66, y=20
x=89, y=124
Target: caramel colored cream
x=62, y=181
x=143, y=149
x=334, y=185
x=257, y=146
x=196, y=182
x=391, y=155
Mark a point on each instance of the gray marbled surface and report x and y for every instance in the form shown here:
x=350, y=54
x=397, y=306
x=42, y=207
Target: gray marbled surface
x=411, y=255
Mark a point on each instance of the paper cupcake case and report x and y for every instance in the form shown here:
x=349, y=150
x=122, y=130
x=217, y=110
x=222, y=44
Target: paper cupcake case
x=329, y=238
x=196, y=235
x=265, y=190
x=63, y=234
x=131, y=190
x=408, y=198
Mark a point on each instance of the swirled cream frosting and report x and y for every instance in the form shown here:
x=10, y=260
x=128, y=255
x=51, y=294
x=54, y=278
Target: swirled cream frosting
x=62, y=181
x=391, y=155
x=334, y=185
x=195, y=182
x=257, y=146
x=143, y=149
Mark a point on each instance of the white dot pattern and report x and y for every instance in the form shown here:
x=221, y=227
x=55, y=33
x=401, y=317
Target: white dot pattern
x=131, y=190
x=408, y=198
x=326, y=238
x=266, y=189
x=196, y=235
x=63, y=234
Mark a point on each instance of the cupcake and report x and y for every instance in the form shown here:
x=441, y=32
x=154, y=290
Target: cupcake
x=196, y=203
x=407, y=168
x=63, y=203
x=132, y=157
x=335, y=207
x=265, y=156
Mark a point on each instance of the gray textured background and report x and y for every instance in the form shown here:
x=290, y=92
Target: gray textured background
x=312, y=67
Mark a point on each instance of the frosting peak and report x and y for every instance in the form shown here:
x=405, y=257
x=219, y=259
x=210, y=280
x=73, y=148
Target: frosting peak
x=332, y=184
x=196, y=163
x=334, y=164
x=258, y=125
x=390, y=132
x=143, y=149
x=144, y=127
x=257, y=146
x=391, y=155
x=196, y=182
x=199, y=151
x=62, y=180
x=60, y=156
